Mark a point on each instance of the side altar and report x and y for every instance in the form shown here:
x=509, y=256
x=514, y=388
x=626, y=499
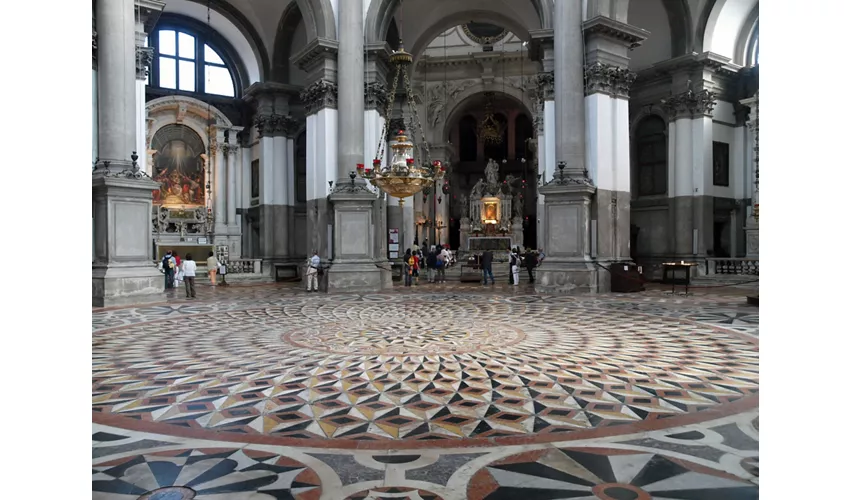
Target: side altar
x=491, y=213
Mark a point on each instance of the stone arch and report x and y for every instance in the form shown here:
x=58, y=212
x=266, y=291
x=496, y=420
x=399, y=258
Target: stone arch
x=722, y=24
x=382, y=12
x=423, y=40
x=681, y=26
x=188, y=111
x=234, y=27
x=457, y=108
x=745, y=45
x=319, y=22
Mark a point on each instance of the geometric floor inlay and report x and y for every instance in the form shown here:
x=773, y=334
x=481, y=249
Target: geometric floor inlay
x=399, y=371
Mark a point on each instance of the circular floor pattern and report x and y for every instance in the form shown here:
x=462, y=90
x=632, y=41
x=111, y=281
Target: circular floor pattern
x=605, y=474
x=235, y=474
x=397, y=374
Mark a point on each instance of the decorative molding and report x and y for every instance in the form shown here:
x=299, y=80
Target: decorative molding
x=376, y=96
x=314, y=53
x=608, y=79
x=604, y=26
x=538, y=117
x=229, y=148
x=144, y=59
x=690, y=104
x=546, y=86
x=320, y=95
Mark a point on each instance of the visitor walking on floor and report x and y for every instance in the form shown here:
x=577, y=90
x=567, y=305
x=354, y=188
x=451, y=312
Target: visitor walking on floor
x=431, y=262
x=189, y=268
x=313, y=265
x=514, y=263
x=178, y=271
x=169, y=267
x=530, y=263
x=442, y=263
x=407, y=268
x=487, y=266
x=212, y=267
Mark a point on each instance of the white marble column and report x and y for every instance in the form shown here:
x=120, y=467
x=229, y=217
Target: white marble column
x=683, y=189
x=280, y=170
x=752, y=225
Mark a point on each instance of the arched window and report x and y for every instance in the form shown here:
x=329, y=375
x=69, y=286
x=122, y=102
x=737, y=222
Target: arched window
x=651, y=161
x=188, y=57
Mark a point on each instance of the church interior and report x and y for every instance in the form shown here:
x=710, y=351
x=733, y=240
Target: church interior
x=599, y=146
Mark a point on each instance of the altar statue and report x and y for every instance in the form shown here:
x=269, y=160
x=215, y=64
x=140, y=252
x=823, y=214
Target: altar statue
x=464, y=206
x=492, y=172
x=478, y=190
x=518, y=206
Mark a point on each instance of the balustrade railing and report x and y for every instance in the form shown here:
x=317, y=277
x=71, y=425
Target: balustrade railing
x=244, y=266
x=729, y=266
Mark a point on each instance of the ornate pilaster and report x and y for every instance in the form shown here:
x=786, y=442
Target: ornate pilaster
x=144, y=59
x=320, y=95
x=546, y=86
x=608, y=79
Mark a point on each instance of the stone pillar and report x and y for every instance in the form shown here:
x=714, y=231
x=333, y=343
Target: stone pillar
x=544, y=121
x=231, y=151
x=354, y=264
x=752, y=226
x=123, y=268
x=568, y=267
x=219, y=162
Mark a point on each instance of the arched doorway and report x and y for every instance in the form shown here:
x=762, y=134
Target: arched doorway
x=484, y=126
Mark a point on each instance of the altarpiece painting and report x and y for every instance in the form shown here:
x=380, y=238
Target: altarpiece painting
x=178, y=167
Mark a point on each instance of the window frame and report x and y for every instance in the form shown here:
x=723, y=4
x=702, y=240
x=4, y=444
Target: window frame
x=640, y=139
x=203, y=36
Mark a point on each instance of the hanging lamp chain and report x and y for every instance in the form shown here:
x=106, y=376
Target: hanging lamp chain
x=382, y=140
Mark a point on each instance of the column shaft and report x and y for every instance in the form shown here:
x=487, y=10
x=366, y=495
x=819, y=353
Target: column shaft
x=116, y=80
x=350, y=93
x=219, y=183
x=232, y=190
x=569, y=86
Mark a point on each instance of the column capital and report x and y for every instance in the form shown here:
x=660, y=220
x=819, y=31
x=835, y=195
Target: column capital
x=608, y=79
x=690, y=104
x=321, y=94
x=546, y=86
x=144, y=59
x=376, y=95
x=276, y=125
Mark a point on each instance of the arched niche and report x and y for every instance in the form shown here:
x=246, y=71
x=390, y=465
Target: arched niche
x=466, y=91
x=670, y=26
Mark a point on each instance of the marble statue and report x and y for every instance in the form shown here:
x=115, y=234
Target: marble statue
x=518, y=206
x=478, y=189
x=492, y=172
x=464, y=206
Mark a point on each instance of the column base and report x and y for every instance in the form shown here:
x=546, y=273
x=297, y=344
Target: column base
x=355, y=278
x=120, y=286
x=567, y=278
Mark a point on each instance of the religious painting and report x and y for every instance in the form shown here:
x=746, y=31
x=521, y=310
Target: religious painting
x=491, y=212
x=255, y=179
x=721, y=163
x=178, y=167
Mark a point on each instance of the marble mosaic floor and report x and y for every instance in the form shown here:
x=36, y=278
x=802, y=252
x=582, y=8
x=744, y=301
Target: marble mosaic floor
x=451, y=392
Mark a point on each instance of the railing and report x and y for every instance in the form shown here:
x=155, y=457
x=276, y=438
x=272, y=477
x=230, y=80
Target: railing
x=746, y=267
x=244, y=266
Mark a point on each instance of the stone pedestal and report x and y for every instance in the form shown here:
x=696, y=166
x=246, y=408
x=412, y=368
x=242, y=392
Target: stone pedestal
x=517, y=232
x=354, y=268
x=752, y=234
x=465, y=228
x=568, y=267
x=123, y=271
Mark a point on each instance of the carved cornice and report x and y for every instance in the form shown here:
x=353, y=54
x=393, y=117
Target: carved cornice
x=144, y=59
x=320, y=95
x=376, y=96
x=608, y=79
x=275, y=125
x=546, y=86
x=315, y=51
x=603, y=26
x=690, y=104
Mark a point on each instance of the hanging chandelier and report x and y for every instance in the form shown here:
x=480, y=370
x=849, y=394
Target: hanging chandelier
x=490, y=130
x=410, y=170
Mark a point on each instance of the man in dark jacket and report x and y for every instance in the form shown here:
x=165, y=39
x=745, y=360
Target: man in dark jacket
x=487, y=266
x=530, y=263
x=431, y=262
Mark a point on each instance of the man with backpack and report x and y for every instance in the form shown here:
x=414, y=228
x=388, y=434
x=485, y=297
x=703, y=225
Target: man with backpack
x=431, y=262
x=169, y=265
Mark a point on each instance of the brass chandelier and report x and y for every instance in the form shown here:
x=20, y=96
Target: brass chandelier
x=490, y=130
x=409, y=170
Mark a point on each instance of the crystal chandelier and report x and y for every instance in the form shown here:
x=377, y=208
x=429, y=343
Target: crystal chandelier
x=490, y=130
x=407, y=172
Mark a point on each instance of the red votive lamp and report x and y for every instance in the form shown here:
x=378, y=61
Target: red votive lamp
x=359, y=167
x=410, y=162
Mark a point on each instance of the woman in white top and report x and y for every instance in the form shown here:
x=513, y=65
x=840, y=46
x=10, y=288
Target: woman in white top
x=189, y=267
